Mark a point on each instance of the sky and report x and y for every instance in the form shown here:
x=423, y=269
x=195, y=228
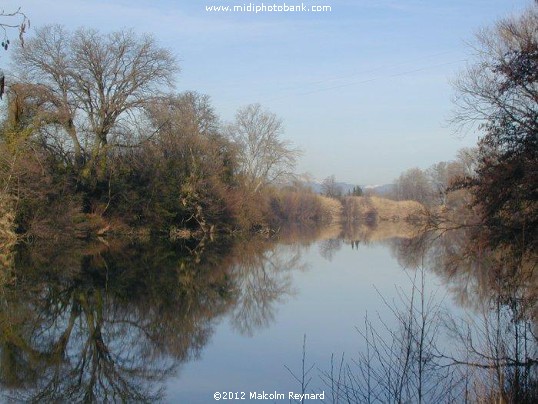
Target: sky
x=363, y=90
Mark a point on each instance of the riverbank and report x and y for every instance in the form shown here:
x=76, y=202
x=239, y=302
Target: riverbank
x=372, y=209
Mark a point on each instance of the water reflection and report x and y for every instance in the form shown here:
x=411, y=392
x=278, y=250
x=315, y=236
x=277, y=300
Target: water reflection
x=109, y=328
x=473, y=273
x=111, y=323
x=497, y=339
x=263, y=279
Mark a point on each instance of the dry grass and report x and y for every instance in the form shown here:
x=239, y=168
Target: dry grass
x=333, y=206
x=373, y=219
x=332, y=231
x=383, y=230
x=381, y=209
x=298, y=207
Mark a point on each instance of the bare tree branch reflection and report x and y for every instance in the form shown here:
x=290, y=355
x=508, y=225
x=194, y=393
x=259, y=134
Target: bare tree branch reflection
x=264, y=279
x=113, y=329
x=497, y=344
x=328, y=248
x=107, y=323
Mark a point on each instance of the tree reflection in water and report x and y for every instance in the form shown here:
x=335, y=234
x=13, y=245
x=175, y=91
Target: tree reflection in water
x=487, y=354
x=263, y=279
x=497, y=339
x=112, y=323
x=101, y=324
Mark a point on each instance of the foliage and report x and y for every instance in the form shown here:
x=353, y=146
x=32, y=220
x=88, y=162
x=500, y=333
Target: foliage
x=94, y=141
x=356, y=191
x=180, y=175
x=500, y=93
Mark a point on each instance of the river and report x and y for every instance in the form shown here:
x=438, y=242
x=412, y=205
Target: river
x=303, y=312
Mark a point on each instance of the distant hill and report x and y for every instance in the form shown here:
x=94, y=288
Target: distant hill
x=317, y=187
x=380, y=190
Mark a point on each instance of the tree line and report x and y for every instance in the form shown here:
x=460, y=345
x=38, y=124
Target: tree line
x=96, y=138
x=497, y=180
x=482, y=214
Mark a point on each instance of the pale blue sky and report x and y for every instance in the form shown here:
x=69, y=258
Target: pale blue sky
x=363, y=90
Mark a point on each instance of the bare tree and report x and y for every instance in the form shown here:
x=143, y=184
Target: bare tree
x=441, y=175
x=331, y=188
x=13, y=20
x=501, y=83
x=414, y=185
x=468, y=160
x=263, y=156
x=9, y=21
x=400, y=364
x=83, y=90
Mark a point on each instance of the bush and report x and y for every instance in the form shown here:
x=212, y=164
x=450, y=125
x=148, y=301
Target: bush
x=300, y=207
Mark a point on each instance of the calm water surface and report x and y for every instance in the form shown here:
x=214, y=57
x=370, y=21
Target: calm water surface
x=177, y=323
x=324, y=298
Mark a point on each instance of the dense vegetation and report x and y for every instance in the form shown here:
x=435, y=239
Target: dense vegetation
x=482, y=220
x=95, y=140
x=495, y=185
